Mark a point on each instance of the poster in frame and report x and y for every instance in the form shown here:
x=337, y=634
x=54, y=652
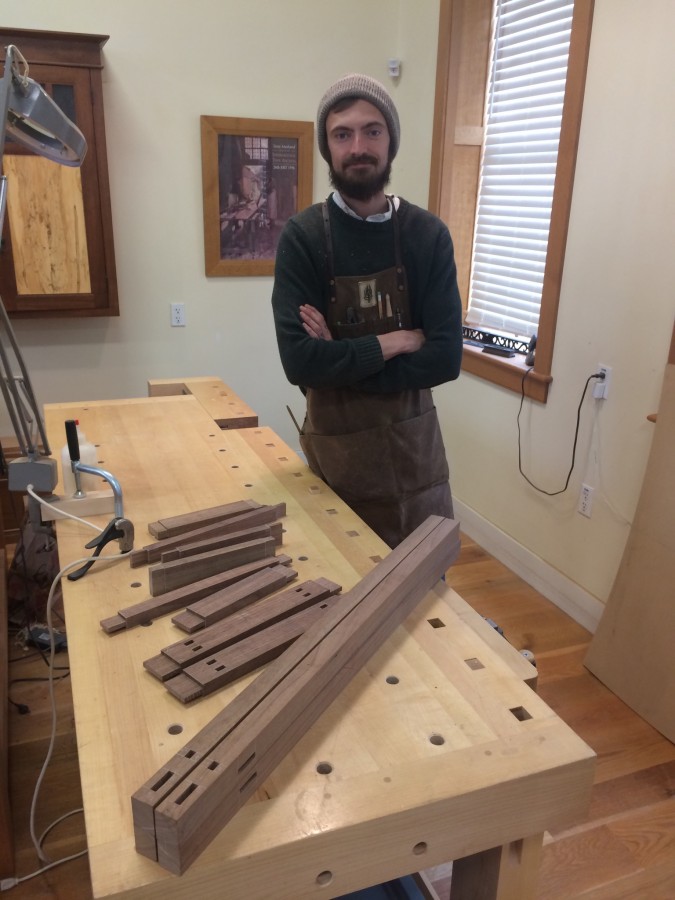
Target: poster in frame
x=256, y=174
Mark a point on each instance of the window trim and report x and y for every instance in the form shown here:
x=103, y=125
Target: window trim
x=456, y=73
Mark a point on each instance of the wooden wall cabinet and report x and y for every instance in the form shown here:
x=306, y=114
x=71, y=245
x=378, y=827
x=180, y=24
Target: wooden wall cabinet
x=57, y=257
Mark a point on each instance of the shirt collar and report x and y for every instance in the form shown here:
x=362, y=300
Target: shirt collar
x=378, y=217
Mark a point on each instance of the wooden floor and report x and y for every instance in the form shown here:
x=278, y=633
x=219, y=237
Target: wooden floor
x=625, y=850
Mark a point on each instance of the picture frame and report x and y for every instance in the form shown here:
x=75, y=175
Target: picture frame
x=256, y=174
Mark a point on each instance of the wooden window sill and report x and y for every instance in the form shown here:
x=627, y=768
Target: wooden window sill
x=508, y=372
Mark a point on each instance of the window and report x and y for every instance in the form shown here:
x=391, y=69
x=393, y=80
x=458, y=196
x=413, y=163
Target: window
x=467, y=202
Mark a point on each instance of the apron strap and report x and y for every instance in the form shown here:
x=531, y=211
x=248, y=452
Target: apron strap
x=329, y=245
x=400, y=272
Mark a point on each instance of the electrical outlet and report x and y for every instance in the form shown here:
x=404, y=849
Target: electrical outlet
x=177, y=315
x=585, y=500
x=601, y=386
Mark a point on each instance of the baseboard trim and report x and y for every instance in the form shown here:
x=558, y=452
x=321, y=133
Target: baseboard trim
x=572, y=599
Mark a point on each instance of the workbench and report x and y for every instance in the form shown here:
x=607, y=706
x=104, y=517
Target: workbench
x=439, y=749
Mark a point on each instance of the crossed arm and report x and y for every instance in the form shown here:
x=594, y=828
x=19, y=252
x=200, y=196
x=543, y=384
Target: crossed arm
x=392, y=344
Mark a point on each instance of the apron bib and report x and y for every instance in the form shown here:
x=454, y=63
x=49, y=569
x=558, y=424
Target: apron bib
x=382, y=454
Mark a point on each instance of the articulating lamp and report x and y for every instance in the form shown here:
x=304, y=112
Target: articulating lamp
x=30, y=116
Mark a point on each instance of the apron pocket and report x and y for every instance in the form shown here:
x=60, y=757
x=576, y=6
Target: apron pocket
x=385, y=462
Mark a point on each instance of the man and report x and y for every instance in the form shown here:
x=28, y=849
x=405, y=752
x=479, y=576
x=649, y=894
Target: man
x=368, y=320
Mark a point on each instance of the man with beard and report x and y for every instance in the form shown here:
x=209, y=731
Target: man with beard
x=368, y=319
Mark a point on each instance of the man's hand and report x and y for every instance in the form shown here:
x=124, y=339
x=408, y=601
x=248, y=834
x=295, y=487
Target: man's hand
x=314, y=323
x=396, y=342
x=392, y=344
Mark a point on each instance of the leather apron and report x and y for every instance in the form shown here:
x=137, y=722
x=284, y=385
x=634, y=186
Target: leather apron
x=382, y=454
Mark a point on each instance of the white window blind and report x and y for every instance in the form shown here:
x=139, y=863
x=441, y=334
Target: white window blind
x=523, y=116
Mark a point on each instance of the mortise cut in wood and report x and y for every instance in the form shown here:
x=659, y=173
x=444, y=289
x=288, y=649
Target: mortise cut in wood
x=244, y=656
x=521, y=713
x=474, y=663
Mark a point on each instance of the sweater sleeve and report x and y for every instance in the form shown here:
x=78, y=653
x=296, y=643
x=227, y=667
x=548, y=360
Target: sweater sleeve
x=301, y=277
x=437, y=310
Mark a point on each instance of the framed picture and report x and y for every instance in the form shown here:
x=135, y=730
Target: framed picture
x=256, y=174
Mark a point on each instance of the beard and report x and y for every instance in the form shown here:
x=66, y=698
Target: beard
x=359, y=184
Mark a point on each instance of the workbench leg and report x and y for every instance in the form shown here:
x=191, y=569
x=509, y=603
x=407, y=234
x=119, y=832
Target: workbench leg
x=510, y=872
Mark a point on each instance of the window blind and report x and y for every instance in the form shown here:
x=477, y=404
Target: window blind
x=523, y=115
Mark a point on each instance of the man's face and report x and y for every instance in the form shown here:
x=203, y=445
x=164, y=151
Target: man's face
x=358, y=140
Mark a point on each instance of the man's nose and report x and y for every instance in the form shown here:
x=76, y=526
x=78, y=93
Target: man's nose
x=357, y=144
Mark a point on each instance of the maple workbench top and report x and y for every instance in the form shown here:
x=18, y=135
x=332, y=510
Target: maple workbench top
x=437, y=750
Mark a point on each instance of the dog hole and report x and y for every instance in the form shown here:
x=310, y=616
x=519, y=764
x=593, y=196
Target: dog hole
x=474, y=663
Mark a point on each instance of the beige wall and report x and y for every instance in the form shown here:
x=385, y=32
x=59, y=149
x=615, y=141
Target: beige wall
x=167, y=64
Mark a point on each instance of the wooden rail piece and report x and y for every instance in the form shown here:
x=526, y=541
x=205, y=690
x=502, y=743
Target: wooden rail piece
x=224, y=540
x=153, y=607
x=173, y=525
x=153, y=552
x=224, y=667
x=164, y=577
x=231, y=599
x=179, y=810
x=239, y=625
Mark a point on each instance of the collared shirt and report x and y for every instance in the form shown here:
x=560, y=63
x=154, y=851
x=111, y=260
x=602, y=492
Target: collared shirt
x=378, y=217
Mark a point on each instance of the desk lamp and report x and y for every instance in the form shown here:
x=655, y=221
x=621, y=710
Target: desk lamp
x=31, y=117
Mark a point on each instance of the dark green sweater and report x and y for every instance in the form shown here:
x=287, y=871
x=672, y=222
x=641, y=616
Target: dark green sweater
x=362, y=248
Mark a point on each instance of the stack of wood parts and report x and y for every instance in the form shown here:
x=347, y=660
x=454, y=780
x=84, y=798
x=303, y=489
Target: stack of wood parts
x=234, y=547
x=190, y=799
x=200, y=553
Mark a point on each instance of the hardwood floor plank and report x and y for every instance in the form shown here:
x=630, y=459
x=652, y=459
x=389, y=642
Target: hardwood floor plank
x=575, y=864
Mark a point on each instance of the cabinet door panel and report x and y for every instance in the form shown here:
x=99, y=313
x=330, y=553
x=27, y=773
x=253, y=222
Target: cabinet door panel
x=57, y=250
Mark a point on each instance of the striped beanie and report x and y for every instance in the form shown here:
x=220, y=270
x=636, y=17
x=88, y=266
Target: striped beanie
x=359, y=87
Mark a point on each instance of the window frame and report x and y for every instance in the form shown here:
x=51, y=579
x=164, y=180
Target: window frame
x=462, y=73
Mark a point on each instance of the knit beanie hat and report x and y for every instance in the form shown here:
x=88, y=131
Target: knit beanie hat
x=360, y=87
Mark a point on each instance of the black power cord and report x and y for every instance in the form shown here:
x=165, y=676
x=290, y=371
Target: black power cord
x=598, y=375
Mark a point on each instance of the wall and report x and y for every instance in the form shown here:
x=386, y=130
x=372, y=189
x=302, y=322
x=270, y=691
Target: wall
x=273, y=60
